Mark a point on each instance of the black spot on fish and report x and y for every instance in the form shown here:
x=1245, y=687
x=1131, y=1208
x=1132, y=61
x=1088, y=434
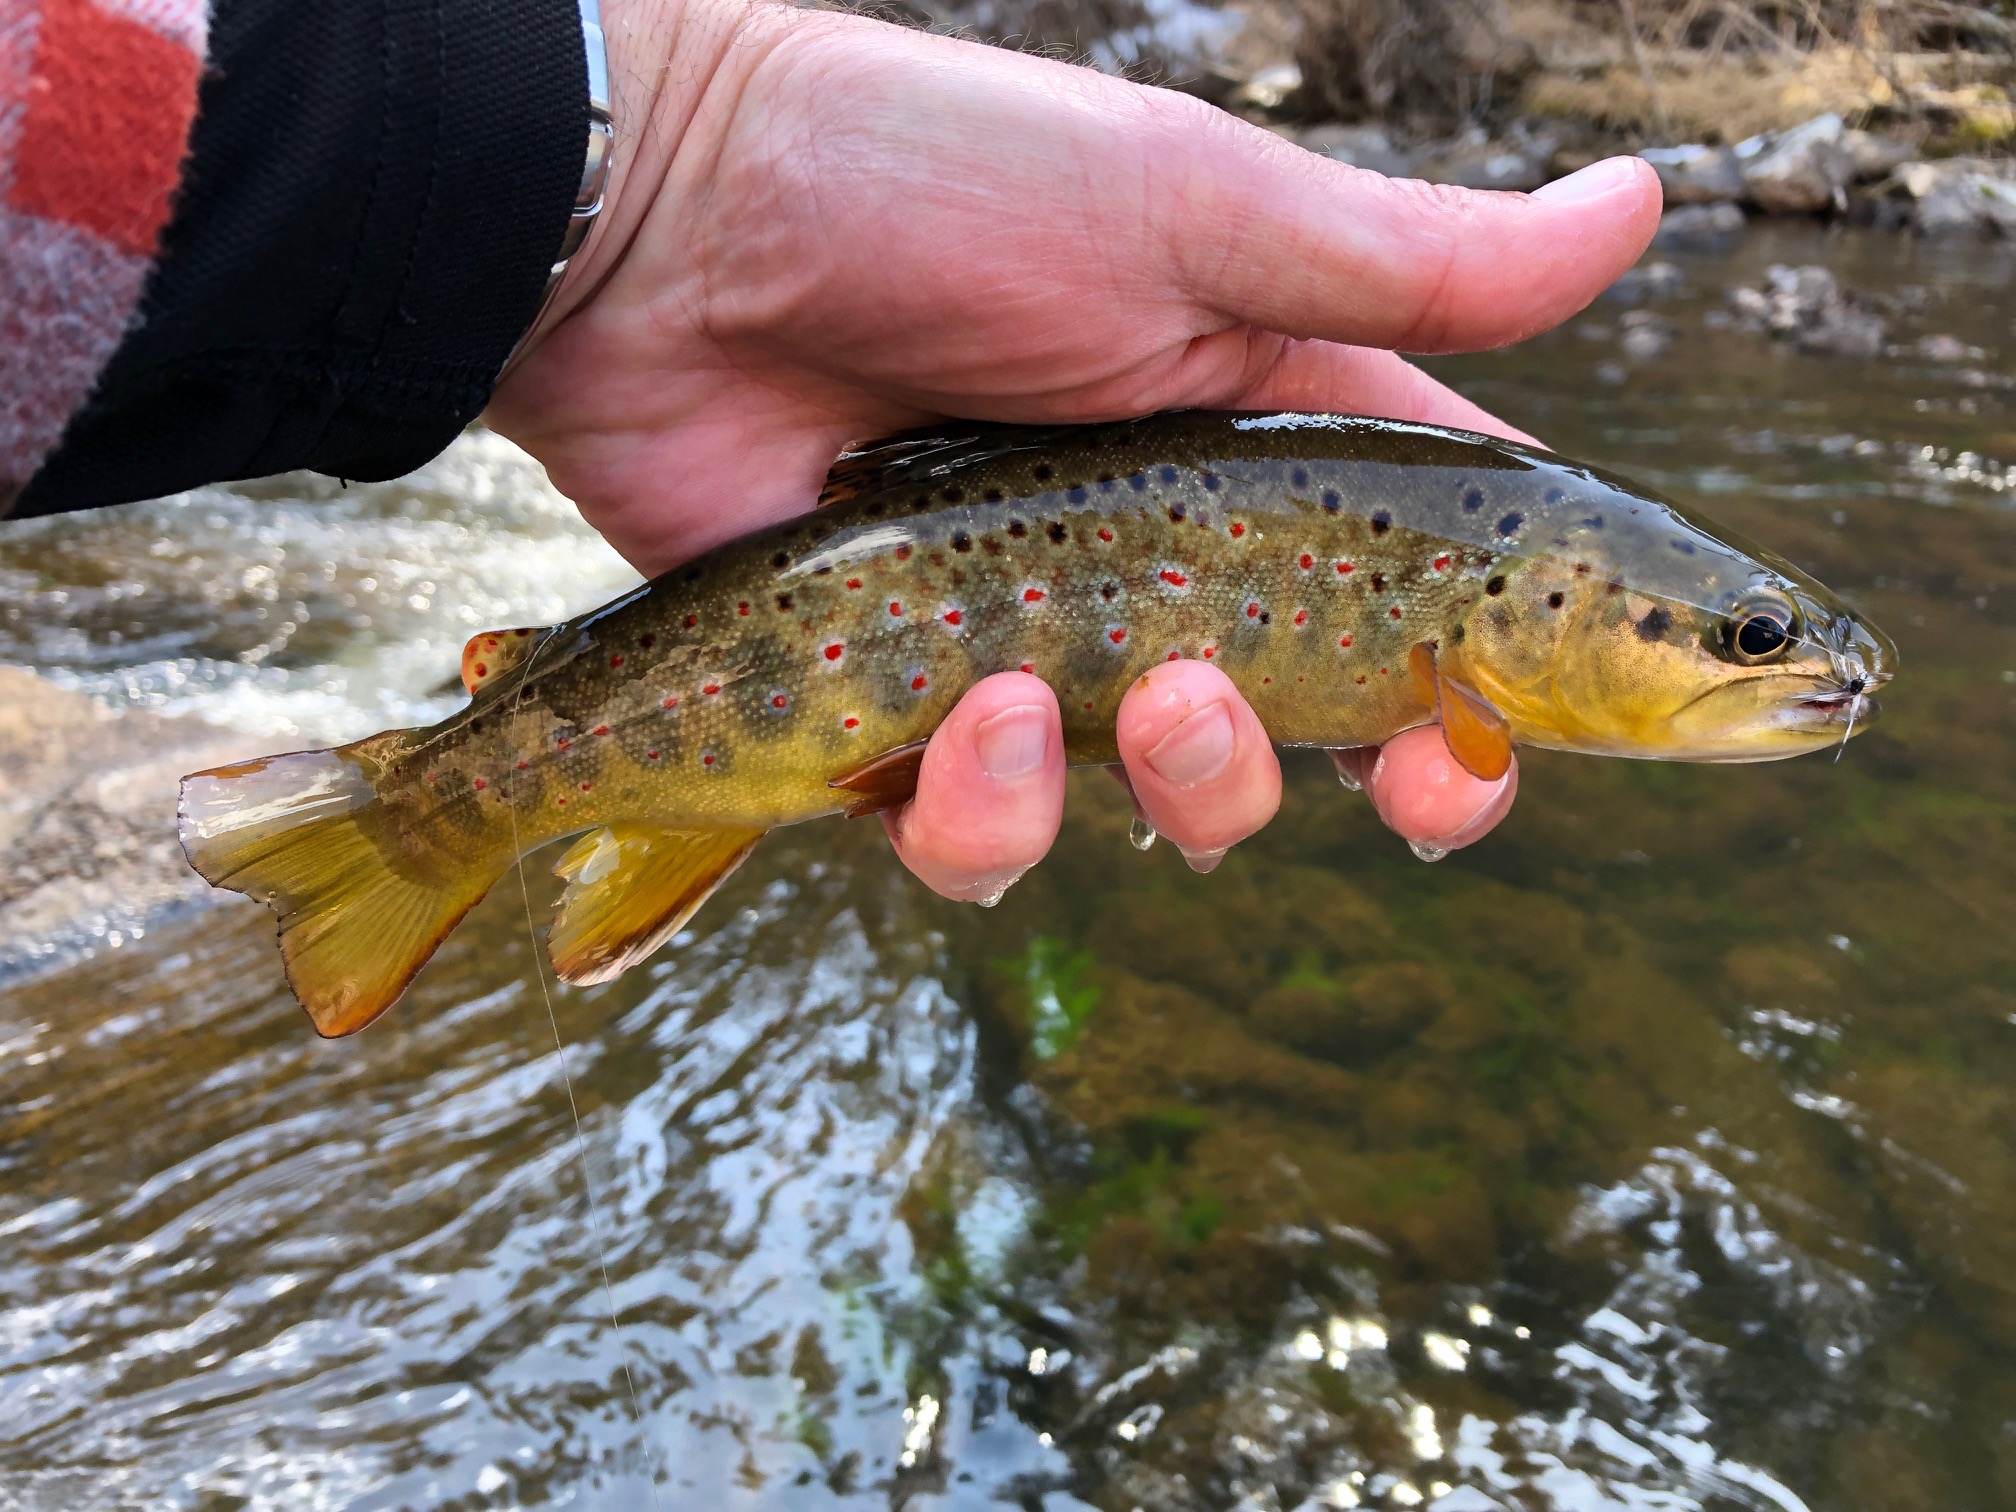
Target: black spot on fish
x=1378, y=582
x=876, y=510
x=1655, y=624
x=1176, y=513
x=993, y=496
x=1109, y=591
x=1211, y=481
x=1594, y=522
x=782, y=559
x=954, y=496
x=1168, y=473
x=1106, y=482
x=1044, y=472
x=783, y=601
x=1555, y=600
x=1456, y=636
x=1554, y=495
x=1266, y=618
x=1299, y=477
x=1075, y=495
x=1382, y=522
x=1510, y=524
x=1473, y=499
x=1684, y=547
x=921, y=502
x=961, y=541
x=692, y=574
x=1331, y=502
x=1138, y=482
x=1495, y=587
x=989, y=545
x=1017, y=529
x=1056, y=530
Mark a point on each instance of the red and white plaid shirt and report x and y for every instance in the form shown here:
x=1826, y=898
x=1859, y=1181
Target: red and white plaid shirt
x=96, y=101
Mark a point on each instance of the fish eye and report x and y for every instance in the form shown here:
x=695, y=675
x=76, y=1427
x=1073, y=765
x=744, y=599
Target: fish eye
x=1760, y=631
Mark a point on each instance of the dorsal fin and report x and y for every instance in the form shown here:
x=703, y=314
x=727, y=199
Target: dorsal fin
x=492, y=652
x=933, y=452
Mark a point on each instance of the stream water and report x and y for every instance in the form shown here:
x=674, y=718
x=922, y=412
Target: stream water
x=1658, y=1153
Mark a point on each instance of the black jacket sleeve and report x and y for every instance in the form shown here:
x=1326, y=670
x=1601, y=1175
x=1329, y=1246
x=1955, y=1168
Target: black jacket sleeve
x=374, y=196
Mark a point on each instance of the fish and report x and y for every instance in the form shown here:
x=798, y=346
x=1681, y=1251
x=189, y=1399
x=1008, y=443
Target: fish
x=1353, y=577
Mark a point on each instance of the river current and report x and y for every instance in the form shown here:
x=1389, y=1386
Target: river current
x=1658, y=1153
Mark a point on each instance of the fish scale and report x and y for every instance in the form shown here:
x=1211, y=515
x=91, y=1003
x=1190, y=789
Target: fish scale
x=1351, y=577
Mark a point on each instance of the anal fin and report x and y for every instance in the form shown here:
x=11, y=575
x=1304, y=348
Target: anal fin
x=889, y=781
x=1478, y=736
x=630, y=888
x=493, y=652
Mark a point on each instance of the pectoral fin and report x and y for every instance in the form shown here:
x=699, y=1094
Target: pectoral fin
x=495, y=652
x=630, y=888
x=889, y=781
x=1478, y=736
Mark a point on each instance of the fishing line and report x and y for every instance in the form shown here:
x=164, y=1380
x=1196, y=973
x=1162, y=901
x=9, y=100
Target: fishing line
x=573, y=1107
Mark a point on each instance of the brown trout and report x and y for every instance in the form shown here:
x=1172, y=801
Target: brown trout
x=1353, y=577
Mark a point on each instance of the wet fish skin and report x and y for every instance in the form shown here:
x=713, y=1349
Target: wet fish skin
x=1315, y=559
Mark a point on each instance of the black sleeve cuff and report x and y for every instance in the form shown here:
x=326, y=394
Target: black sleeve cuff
x=374, y=196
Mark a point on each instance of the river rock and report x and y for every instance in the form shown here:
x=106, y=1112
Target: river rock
x=1696, y=174
x=1809, y=307
x=1699, y=226
x=1798, y=172
x=1959, y=195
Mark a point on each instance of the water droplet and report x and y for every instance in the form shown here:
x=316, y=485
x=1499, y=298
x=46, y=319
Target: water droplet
x=1140, y=834
x=1427, y=850
x=993, y=897
x=1348, y=776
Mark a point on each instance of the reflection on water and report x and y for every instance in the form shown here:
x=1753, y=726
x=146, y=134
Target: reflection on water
x=1656, y=1154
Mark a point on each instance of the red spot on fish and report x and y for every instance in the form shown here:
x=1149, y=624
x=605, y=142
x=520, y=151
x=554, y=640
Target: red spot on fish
x=616, y=661
x=1345, y=568
x=692, y=620
x=1382, y=671
x=779, y=701
x=586, y=785
x=849, y=723
x=919, y=683
x=853, y=582
x=741, y=608
x=895, y=608
x=1266, y=679
x=954, y=618
x=1173, y=656
x=1252, y=610
x=481, y=784
x=432, y=778
x=482, y=670
x=710, y=689
x=1361, y=677
x=706, y=758
x=1117, y=634
x=1105, y=534
x=1344, y=641
x=490, y=642
x=561, y=801
x=562, y=742
x=1237, y=530
x=1301, y=618
x=670, y=703
x=1441, y=563
x=601, y=730
x=833, y=652
x=1033, y=595
x=1174, y=578
x=1029, y=666
x=651, y=755
x=1394, y=612
x=1306, y=561
x=1209, y=652
x=523, y=764
x=902, y=553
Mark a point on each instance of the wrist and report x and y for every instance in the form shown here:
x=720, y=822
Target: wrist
x=666, y=58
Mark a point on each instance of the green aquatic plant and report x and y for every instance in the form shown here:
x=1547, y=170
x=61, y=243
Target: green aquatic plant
x=1061, y=996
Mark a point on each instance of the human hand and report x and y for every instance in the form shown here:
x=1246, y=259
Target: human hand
x=823, y=229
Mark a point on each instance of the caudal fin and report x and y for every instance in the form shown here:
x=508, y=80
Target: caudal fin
x=307, y=835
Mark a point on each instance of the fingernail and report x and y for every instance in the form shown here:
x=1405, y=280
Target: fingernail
x=1013, y=743
x=1593, y=182
x=1196, y=750
x=1204, y=861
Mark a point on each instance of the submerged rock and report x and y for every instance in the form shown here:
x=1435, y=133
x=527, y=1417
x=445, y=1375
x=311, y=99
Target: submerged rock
x=1809, y=307
x=1699, y=226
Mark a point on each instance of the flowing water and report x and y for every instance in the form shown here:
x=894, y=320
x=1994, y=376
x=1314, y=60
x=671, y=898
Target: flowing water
x=1659, y=1153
